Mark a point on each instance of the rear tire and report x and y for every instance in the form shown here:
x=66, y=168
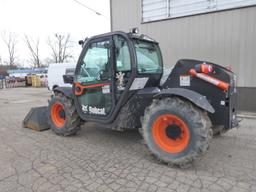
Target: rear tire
x=176, y=131
x=63, y=117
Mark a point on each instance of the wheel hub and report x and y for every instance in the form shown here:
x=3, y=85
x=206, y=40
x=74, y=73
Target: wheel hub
x=58, y=114
x=173, y=131
x=62, y=114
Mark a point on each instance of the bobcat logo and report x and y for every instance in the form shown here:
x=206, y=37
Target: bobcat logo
x=120, y=80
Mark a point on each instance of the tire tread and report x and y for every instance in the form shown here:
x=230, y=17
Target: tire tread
x=198, y=116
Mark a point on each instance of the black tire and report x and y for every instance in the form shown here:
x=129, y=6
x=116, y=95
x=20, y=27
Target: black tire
x=72, y=121
x=54, y=86
x=195, y=120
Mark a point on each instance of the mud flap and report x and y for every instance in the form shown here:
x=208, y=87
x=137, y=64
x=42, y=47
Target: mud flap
x=37, y=119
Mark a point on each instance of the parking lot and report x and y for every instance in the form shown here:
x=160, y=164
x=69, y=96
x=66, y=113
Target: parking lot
x=98, y=159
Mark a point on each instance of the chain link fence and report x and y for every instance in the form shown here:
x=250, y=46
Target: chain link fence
x=11, y=82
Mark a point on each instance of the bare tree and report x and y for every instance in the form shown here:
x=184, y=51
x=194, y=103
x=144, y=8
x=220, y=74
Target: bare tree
x=10, y=41
x=33, y=47
x=60, y=46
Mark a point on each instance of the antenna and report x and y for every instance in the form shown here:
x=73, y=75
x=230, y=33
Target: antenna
x=89, y=8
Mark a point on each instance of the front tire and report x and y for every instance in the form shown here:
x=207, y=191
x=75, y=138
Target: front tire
x=176, y=131
x=63, y=117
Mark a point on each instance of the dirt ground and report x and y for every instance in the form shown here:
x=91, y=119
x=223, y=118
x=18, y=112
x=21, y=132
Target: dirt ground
x=98, y=159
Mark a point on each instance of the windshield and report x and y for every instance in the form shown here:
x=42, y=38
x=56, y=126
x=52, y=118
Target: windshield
x=148, y=57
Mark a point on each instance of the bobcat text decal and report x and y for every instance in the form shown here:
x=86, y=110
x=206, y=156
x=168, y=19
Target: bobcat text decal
x=93, y=110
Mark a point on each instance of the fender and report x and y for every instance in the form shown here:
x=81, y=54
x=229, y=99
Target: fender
x=192, y=96
x=67, y=91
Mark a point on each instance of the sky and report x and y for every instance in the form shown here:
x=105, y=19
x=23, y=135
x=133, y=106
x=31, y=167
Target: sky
x=43, y=18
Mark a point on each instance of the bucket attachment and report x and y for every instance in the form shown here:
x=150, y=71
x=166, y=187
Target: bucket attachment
x=37, y=119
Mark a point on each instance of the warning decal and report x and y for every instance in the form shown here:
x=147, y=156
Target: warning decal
x=185, y=80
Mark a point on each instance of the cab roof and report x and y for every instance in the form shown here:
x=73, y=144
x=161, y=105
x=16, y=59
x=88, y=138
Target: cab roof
x=129, y=35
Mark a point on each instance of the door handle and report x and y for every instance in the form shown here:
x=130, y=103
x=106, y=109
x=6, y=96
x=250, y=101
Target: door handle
x=79, y=88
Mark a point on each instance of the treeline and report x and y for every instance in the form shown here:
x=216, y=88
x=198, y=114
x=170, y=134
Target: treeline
x=59, y=46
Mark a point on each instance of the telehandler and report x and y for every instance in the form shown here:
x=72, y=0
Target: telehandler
x=120, y=82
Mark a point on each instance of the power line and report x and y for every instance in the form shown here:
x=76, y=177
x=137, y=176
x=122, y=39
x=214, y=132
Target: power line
x=89, y=8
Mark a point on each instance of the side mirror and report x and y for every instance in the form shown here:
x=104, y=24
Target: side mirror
x=81, y=42
x=68, y=79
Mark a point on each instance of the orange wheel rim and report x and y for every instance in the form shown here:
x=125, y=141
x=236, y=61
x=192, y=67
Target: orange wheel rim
x=171, y=133
x=58, y=114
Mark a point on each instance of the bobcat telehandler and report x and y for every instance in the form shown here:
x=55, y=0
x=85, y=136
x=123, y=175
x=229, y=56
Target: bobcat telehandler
x=120, y=82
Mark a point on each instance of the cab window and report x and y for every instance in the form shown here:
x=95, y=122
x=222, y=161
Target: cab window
x=95, y=62
x=123, y=60
x=148, y=57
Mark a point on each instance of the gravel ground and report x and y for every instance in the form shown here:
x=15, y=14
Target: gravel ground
x=98, y=159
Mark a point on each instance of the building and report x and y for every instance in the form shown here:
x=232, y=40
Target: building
x=220, y=31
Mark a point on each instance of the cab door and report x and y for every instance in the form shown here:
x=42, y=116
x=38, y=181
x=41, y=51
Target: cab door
x=122, y=66
x=93, y=82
